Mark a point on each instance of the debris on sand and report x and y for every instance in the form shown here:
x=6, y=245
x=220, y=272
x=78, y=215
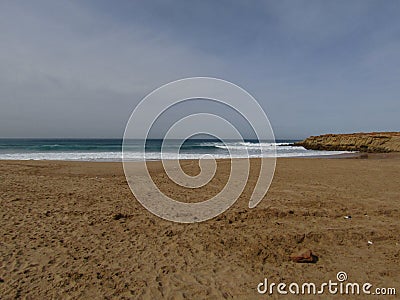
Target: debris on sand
x=304, y=256
x=119, y=216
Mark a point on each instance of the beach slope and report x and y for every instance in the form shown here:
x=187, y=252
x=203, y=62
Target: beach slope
x=74, y=229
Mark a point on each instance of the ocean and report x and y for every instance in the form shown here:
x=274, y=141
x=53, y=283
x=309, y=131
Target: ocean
x=111, y=149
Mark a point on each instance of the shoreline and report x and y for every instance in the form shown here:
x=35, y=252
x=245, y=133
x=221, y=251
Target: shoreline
x=185, y=159
x=355, y=155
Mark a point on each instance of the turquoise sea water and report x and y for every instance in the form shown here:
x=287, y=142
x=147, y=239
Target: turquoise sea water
x=111, y=149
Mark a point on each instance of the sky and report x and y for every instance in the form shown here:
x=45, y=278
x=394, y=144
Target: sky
x=79, y=68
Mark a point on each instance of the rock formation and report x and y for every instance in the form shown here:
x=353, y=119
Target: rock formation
x=379, y=142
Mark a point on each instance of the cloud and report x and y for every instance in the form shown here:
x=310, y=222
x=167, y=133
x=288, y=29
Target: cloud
x=55, y=74
x=78, y=68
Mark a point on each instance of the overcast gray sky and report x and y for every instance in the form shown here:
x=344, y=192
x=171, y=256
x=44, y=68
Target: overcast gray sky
x=78, y=68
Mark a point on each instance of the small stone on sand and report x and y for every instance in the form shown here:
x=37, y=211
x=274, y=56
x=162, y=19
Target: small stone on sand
x=304, y=256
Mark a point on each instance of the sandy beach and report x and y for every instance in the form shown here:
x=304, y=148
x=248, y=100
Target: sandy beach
x=74, y=230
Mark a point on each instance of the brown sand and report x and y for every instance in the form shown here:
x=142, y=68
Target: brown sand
x=74, y=230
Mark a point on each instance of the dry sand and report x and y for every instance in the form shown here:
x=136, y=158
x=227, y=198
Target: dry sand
x=74, y=230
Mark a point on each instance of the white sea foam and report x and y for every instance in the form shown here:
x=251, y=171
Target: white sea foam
x=253, y=151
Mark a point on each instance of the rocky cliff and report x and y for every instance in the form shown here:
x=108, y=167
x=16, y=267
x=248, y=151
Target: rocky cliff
x=378, y=142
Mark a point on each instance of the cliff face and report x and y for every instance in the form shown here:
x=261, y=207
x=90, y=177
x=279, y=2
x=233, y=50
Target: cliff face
x=364, y=142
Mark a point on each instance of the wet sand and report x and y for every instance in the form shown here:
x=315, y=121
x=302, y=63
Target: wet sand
x=74, y=230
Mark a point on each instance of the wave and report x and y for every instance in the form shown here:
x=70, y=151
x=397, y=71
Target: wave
x=138, y=156
x=111, y=150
